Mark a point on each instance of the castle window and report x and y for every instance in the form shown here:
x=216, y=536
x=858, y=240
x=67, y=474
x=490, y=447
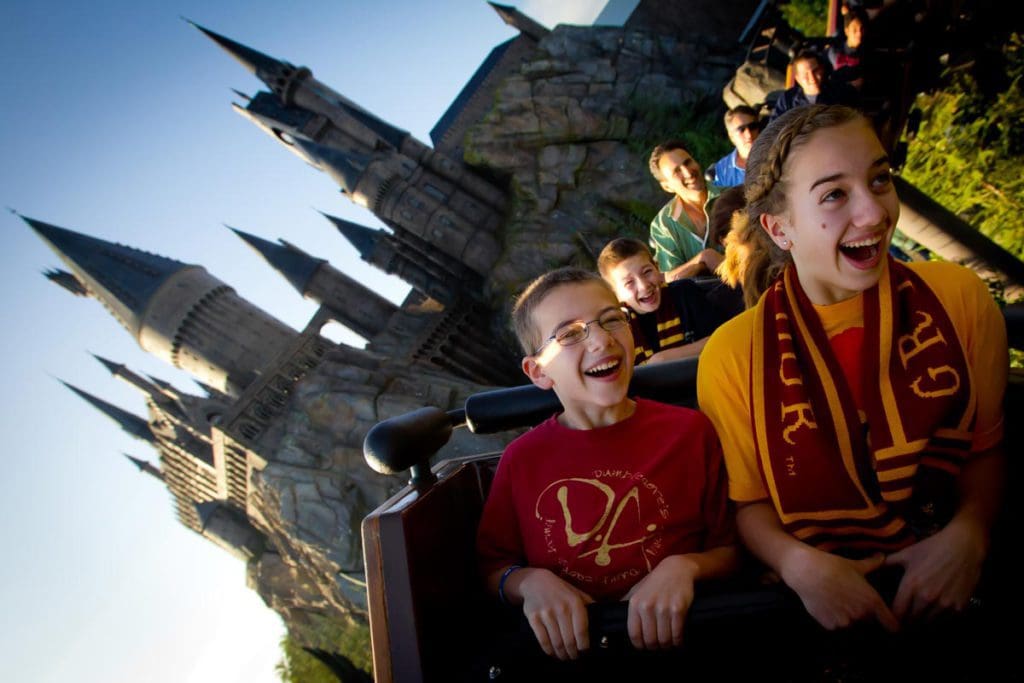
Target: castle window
x=284, y=137
x=435, y=192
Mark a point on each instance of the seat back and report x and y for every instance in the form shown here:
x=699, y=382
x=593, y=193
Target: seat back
x=424, y=592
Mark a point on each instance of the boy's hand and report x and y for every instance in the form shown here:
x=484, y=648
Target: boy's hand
x=834, y=590
x=658, y=604
x=939, y=573
x=556, y=611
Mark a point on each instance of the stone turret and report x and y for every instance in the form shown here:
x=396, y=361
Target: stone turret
x=438, y=203
x=351, y=303
x=180, y=426
x=422, y=266
x=401, y=194
x=176, y=311
x=229, y=529
x=341, y=118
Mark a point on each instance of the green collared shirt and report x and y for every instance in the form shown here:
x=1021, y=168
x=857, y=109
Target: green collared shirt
x=673, y=240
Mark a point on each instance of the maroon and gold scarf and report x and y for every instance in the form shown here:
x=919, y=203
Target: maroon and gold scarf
x=669, y=326
x=837, y=483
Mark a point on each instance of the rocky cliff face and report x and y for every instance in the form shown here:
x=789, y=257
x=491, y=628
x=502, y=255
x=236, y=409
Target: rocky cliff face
x=571, y=131
x=311, y=497
x=564, y=131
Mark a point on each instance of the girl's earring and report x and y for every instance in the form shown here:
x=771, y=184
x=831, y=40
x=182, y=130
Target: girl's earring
x=784, y=243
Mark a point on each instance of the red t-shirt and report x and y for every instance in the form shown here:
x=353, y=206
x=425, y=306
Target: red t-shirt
x=602, y=507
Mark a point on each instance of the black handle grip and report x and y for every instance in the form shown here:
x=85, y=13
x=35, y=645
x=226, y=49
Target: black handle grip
x=404, y=441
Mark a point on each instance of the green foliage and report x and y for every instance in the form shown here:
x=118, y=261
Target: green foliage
x=298, y=666
x=969, y=151
x=351, y=640
x=698, y=123
x=809, y=17
x=633, y=219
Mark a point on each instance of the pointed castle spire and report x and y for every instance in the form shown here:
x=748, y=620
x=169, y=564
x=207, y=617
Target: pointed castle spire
x=162, y=384
x=133, y=424
x=425, y=268
x=284, y=79
x=206, y=510
x=120, y=371
x=146, y=466
x=519, y=21
x=211, y=392
x=176, y=311
x=254, y=62
x=345, y=168
x=110, y=365
x=352, y=303
x=67, y=281
x=364, y=239
x=124, y=279
x=295, y=265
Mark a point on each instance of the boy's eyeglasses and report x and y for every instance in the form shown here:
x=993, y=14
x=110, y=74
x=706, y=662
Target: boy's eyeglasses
x=576, y=331
x=753, y=127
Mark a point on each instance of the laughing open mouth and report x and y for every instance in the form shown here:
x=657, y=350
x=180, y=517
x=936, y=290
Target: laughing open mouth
x=862, y=250
x=647, y=299
x=604, y=369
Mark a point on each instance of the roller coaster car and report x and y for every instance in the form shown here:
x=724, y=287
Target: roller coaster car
x=430, y=618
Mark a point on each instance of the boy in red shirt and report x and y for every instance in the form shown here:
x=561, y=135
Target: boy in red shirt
x=612, y=499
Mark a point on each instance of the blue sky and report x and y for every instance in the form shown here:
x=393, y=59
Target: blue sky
x=115, y=121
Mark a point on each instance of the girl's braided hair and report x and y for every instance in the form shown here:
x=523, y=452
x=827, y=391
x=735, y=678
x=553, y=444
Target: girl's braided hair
x=752, y=259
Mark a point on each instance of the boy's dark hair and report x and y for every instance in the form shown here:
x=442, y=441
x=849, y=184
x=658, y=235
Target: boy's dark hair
x=855, y=14
x=536, y=292
x=660, y=151
x=737, y=110
x=808, y=54
x=617, y=251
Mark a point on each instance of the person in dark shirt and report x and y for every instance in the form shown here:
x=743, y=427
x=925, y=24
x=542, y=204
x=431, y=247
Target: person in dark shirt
x=813, y=86
x=847, y=57
x=669, y=321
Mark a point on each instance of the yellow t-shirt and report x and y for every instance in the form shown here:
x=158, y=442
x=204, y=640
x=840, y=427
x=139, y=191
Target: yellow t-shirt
x=723, y=376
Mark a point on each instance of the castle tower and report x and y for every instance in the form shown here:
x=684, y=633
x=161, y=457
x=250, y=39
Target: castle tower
x=409, y=198
x=178, y=312
x=340, y=123
x=179, y=428
x=425, y=268
x=352, y=304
